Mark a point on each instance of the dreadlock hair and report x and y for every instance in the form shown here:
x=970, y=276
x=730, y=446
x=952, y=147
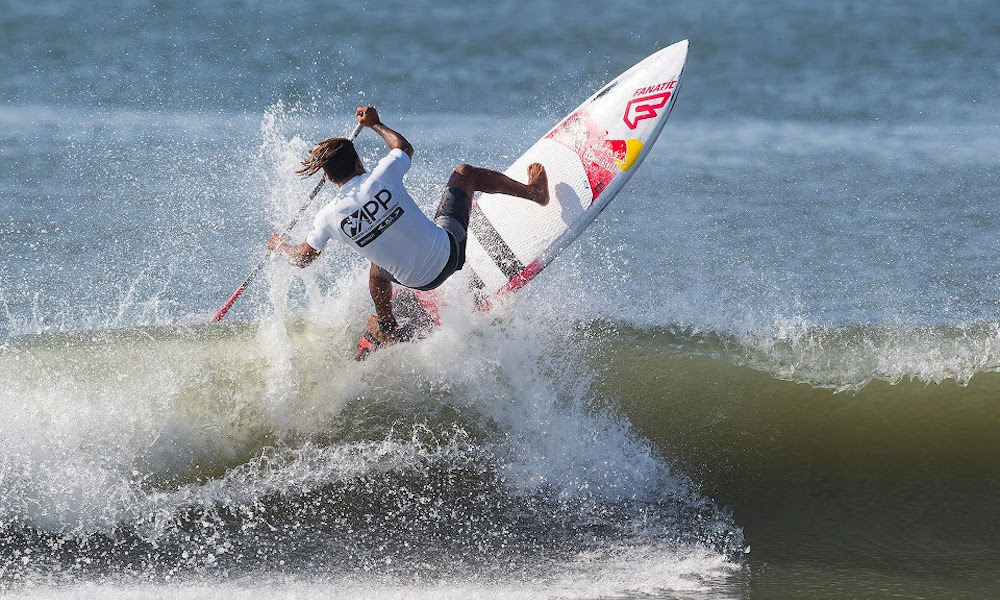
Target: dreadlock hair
x=336, y=156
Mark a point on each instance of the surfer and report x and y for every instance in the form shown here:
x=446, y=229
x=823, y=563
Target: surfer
x=375, y=215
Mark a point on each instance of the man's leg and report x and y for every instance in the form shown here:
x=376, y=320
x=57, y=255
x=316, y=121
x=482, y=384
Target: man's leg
x=381, y=291
x=472, y=179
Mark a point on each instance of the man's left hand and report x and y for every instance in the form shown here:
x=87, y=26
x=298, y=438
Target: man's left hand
x=276, y=241
x=367, y=116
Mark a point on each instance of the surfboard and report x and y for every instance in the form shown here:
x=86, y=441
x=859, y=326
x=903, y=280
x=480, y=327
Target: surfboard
x=588, y=156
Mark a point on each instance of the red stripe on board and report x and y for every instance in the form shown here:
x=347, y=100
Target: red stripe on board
x=517, y=282
x=521, y=279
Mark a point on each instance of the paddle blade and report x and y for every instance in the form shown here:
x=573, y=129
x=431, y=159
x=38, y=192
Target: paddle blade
x=229, y=304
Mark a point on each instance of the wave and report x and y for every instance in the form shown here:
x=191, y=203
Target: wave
x=197, y=451
x=500, y=450
x=906, y=416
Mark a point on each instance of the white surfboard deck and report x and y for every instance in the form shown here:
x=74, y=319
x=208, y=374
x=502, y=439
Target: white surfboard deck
x=588, y=157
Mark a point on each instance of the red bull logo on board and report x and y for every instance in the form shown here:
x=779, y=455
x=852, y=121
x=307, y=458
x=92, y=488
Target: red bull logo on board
x=602, y=158
x=625, y=152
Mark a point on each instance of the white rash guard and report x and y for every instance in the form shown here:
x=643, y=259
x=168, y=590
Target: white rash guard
x=374, y=214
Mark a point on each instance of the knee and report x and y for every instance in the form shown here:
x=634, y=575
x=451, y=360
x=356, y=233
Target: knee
x=464, y=171
x=375, y=276
x=464, y=176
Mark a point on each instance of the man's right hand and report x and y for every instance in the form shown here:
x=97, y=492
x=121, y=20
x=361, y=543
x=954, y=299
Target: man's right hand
x=367, y=116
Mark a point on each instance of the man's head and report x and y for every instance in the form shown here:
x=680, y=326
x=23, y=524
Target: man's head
x=336, y=156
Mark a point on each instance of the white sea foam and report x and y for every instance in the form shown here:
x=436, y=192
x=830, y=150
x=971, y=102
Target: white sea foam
x=624, y=573
x=132, y=430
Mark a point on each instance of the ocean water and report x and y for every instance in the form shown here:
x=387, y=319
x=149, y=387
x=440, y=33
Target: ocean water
x=768, y=370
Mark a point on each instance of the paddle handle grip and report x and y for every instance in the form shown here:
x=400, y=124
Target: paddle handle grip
x=356, y=132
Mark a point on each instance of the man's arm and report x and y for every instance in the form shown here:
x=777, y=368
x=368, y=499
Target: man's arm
x=368, y=116
x=300, y=255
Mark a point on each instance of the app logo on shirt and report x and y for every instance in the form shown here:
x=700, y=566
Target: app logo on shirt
x=372, y=219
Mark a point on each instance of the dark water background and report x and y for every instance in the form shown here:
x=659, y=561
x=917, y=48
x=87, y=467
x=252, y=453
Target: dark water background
x=782, y=336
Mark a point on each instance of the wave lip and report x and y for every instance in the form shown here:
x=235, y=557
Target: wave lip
x=845, y=357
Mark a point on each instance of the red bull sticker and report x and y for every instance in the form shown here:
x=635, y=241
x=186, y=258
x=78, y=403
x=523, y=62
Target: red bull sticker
x=626, y=152
x=602, y=158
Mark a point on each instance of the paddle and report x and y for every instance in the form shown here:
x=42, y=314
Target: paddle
x=263, y=259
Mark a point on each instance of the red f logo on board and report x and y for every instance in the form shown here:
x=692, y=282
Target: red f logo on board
x=644, y=108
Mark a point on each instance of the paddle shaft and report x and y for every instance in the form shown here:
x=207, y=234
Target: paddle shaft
x=263, y=259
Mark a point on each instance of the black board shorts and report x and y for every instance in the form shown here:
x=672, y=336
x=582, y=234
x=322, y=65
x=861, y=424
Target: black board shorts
x=453, y=216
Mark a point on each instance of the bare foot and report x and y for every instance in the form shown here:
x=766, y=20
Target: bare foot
x=538, y=181
x=373, y=330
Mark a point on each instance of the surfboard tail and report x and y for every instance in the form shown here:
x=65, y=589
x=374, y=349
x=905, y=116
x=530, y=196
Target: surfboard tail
x=366, y=345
